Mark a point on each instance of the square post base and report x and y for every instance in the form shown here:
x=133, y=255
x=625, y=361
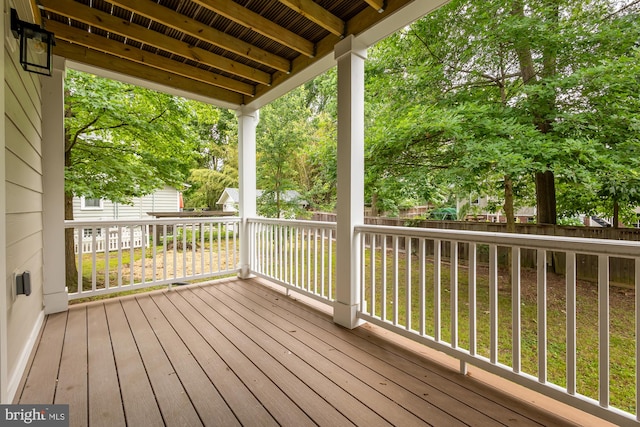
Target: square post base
x=346, y=315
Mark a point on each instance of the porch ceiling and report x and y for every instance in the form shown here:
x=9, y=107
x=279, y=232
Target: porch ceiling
x=232, y=52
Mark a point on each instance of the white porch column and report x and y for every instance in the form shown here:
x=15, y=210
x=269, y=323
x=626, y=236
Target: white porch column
x=247, y=122
x=350, y=56
x=55, y=295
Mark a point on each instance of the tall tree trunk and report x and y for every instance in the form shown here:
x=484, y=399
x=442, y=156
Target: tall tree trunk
x=509, y=210
x=374, y=204
x=541, y=108
x=69, y=250
x=545, y=187
x=616, y=214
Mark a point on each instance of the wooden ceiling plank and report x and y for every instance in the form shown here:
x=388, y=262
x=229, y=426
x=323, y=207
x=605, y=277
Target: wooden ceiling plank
x=317, y=14
x=355, y=25
x=124, y=28
x=91, y=57
x=120, y=50
x=378, y=5
x=259, y=24
x=196, y=29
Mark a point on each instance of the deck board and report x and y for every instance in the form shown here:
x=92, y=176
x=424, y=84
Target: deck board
x=242, y=402
x=409, y=392
x=275, y=401
x=44, y=368
x=239, y=353
x=304, y=366
x=140, y=406
x=345, y=383
x=105, y=405
x=209, y=404
x=72, y=385
x=439, y=387
x=175, y=405
x=305, y=397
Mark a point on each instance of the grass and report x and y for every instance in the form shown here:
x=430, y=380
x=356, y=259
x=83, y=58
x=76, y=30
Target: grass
x=132, y=263
x=622, y=319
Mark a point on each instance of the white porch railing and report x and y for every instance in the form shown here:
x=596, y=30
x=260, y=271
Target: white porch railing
x=298, y=255
x=465, y=294
x=169, y=251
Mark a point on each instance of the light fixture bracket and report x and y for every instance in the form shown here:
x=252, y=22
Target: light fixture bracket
x=36, y=45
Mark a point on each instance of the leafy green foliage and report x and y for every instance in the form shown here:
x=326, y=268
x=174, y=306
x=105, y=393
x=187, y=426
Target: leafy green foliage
x=282, y=132
x=217, y=141
x=123, y=141
x=489, y=97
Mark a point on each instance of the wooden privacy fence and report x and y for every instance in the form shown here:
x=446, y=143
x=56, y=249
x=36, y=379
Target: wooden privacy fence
x=621, y=270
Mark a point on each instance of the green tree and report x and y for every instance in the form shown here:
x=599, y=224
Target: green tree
x=479, y=94
x=282, y=132
x=318, y=178
x=605, y=109
x=217, y=168
x=121, y=142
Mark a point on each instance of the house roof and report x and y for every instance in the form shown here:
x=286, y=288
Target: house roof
x=232, y=52
x=233, y=194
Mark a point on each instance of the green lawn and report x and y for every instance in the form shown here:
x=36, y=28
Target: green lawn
x=132, y=262
x=622, y=320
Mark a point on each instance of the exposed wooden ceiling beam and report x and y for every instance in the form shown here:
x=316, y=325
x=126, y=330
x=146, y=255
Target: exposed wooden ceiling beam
x=203, y=32
x=355, y=25
x=91, y=57
x=124, y=28
x=120, y=50
x=259, y=24
x=376, y=4
x=315, y=13
x=37, y=19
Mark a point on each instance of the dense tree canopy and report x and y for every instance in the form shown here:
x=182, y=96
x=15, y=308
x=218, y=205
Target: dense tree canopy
x=529, y=102
x=217, y=138
x=123, y=141
x=281, y=134
x=493, y=95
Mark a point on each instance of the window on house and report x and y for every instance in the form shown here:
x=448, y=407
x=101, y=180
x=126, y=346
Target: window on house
x=88, y=232
x=90, y=204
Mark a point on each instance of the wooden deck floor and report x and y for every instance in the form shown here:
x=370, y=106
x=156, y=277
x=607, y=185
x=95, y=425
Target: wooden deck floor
x=238, y=353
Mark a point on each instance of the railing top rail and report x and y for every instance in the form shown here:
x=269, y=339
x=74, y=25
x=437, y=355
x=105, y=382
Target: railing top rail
x=160, y=221
x=619, y=248
x=294, y=222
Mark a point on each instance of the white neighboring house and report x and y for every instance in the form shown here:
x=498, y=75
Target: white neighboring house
x=167, y=199
x=164, y=200
x=231, y=196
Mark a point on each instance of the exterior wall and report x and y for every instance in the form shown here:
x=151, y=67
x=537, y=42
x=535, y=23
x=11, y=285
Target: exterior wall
x=23, y=207
x=165, y=200
x=229, y=200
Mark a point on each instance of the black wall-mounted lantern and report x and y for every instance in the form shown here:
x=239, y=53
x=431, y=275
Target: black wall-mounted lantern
x=36, y=45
